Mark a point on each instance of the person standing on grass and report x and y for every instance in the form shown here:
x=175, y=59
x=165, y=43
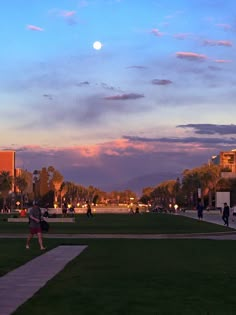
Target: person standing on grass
x=35, y=217
x=200, y=210
x=226, y=213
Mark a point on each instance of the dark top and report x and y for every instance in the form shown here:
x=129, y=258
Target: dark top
x=200, y=207
x=226, y=211
x=35, y=211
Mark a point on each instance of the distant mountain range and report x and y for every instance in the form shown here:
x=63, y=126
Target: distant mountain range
x=137, y=184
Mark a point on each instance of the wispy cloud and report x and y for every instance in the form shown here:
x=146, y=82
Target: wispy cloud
x=130, y=96
x=181, y=36
x=34, y=28
x=67, y=14
x=190, y=56
x=48, y=96
x=185, y=140
x=226, y=43
x=161, y=82
x=137, y=67
x=222, y=60
x=156, y=32
x=210, y=129
x=224, y=26
x=83, y=83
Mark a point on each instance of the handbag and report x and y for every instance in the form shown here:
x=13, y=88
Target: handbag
x=44, y=226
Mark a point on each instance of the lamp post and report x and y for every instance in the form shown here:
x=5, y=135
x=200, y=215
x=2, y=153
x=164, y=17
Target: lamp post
x=12, y=200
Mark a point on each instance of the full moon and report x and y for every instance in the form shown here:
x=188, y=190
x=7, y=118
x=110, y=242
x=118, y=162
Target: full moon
x=97, y=45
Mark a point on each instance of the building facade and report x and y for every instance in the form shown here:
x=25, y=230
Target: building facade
x=29, y=179
x=227, y=162
x=7, y=162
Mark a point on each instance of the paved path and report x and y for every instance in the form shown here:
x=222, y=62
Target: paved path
x=16, y=287
x=213, y=217
x=215, y=235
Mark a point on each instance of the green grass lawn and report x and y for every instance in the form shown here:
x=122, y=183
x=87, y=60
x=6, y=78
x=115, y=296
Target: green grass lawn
x=136, y=277
x=149, y=223
x=132, y=277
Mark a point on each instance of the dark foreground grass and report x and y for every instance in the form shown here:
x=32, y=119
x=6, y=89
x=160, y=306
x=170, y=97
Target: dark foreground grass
x=148, y=223
x=135, y=277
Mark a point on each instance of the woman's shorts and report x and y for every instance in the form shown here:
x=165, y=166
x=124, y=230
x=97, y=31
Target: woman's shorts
x=35, y=230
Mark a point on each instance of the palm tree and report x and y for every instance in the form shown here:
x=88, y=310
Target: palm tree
x=6, y=181
x=56, y=181
x=190, y=184
x=21, y=184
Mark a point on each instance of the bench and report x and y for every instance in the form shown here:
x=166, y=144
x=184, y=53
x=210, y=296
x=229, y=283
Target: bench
x=49, y=220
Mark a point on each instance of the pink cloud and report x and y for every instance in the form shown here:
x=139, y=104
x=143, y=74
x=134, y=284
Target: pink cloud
x=156, y=32
x=223, y=61
x=34, y=28
x=190, y=56
x=181, y=36
x=218, y=43
x=226, y=27
x=104, y=165
x=68, y=13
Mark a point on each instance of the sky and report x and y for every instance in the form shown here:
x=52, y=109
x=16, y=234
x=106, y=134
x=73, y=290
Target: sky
x=157, y=98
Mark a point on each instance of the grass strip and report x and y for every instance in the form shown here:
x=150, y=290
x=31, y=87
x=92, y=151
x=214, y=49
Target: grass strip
x=148, y=223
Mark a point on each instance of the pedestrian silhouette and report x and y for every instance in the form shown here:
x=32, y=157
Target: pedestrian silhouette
x=226, y=213
x=89, y=210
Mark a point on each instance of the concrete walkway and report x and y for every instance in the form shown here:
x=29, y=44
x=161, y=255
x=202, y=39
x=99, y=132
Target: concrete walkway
x=21, y=283
x=211, y=216
x=216, y=235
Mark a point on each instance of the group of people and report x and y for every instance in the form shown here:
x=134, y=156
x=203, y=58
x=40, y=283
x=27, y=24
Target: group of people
x=225, y=213
x=67, y=210
x=5, y=209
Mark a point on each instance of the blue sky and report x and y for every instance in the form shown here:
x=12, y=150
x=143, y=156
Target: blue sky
x=157, y=98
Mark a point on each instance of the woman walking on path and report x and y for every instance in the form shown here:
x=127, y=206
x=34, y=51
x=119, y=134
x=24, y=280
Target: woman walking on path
x=34, y=225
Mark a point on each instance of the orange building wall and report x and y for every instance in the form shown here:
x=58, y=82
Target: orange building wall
x=7, y=162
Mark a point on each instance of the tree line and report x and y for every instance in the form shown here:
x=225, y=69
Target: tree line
x=198, y=183
x=50, y=189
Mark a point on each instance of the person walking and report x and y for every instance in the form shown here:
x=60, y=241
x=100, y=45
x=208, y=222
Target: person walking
x=233, y=212
x=226, y=213
x=200, y=210
x=35, y=218
x=89, y=210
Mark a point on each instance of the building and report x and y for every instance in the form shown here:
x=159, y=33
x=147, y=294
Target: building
x=227, y=162
x=7, y=163
x=29, y=179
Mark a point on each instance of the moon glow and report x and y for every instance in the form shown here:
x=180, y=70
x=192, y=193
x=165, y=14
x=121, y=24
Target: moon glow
x=97, y=45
